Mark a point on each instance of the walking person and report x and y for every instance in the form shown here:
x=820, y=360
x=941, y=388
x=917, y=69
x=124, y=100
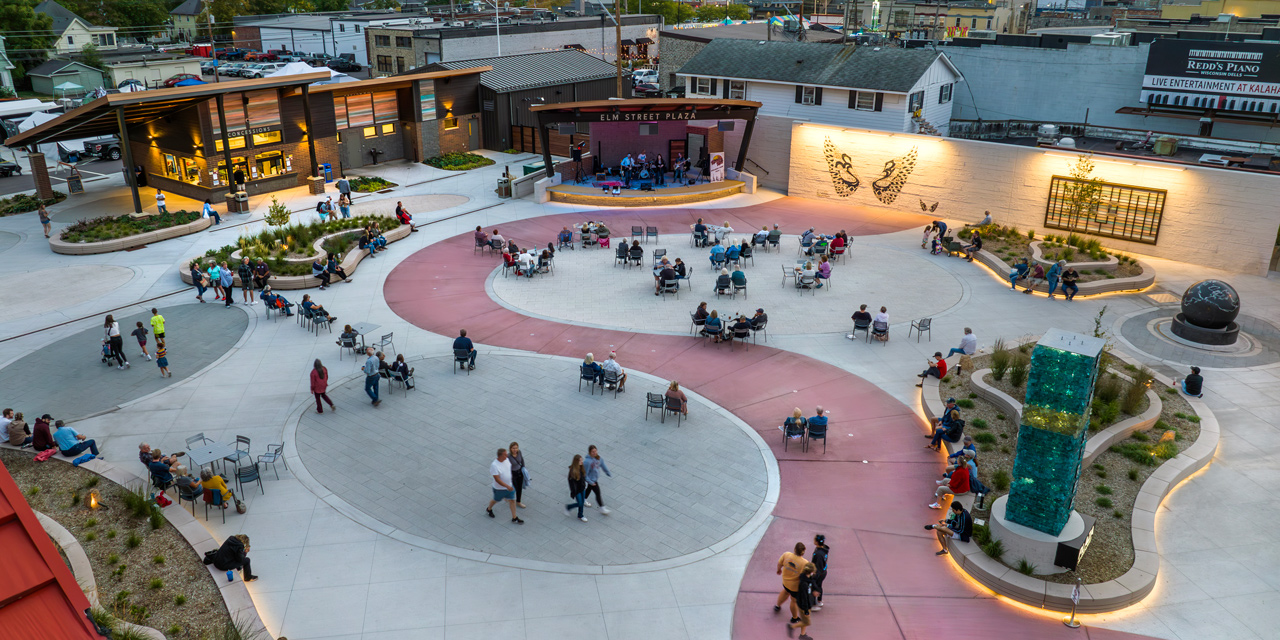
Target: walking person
x=820, y=552
x=245, y=271
x=228, y=284
x=803, y=600
x=44, y=218
x=371, y=381
x=344, y=204
x=518, y=477
x=112, y=338
x=594, y=465
x=500, y=471
x=160, y=202
x=319, y=385
x=198, y=279
x=577, y=488
x=790, y=565
x=162, y=359
x=141, y=334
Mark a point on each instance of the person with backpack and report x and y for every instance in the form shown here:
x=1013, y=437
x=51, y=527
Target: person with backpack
x=803, y=599
x=958, y=526
x=324, y=208
x=820, y=551
x=245, y=271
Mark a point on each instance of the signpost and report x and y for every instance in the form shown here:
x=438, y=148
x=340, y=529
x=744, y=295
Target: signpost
x=1075, y=600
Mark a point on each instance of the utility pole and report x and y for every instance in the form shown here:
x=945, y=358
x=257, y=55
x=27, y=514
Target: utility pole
x=844, y=26
x=617, y=45
x=213, y=50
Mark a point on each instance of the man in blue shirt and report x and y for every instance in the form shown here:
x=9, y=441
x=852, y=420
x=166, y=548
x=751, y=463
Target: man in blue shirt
x=371, y=376
x=593, y=464
x=717, y=254
x=71, y=443
x=819, y=420
x=161, y=467
x=463, y=342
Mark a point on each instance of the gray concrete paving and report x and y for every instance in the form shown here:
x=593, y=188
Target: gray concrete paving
x=7, y=240
x=420, y=463
x=68, y=380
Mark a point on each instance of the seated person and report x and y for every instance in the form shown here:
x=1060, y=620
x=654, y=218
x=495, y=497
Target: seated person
x=974, y=246
x=463, y=343
x=739, y=278
x=482, y=238
x=611, y=365
x=565, y=238
x=809, y=273
x=160, y=470
x=949, y=427
x=700, y=315
x=838, y=242
x=365, y=243
x=759, y=320
x=732, y=253
x=70, y=443
x=722, y=232
x=261, y=273
x=528, y=264
x=186, y=482
x=144, y=455
x=713, y=326
x=400, y=370
x=315, y=309
x=216, y=483
x=1069, y=286
x=405, y=217
x=319, y=270
x=589, y=365
x=964, y=462
x=724, y=283
x=880, y=325
x=682, y=271
x=957, y=485
x=335, y=268
x=234, y=554
x=717, y=254
x=676, y=396
x=819, y=420
x=958, y=526
x=1193, y=384
x=861, y=317
x=274, y=300
x=824, y=269
x=955, y=458
x=665, y=274
x=349, y=336
x=794, y=427
x=544, y=261
x=378, y=239
x=502, y=242
x=1036, y=277
x=761, y=236
x=17, y=433
x=41, y=437
x=742, y=327
x=699, y=231
x=807, y=238
x=602, y=232
x=1020, y=270
x=937, y=368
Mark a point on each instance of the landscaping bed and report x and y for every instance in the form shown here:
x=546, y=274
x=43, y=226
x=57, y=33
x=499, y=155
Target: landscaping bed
x=115, y=227
x=1109, y=487
x=457, y=161
x=23, y=203
x=146, y=572
x=370, y=184
x=289, y=250
x=1009, y=244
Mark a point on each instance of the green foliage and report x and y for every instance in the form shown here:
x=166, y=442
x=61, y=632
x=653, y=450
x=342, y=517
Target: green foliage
x=716, y=13
x=238, y=629
x=133, y=541
x=119, y=573
x=1135, y=451
x=515, y=151
x=1005, y=436
x=274, y=243
x=973, y=396
x=113, y=227
x=1000, y=416
x=369, y=184
x=457, y=161
x=382, y=5
x=993, y=549
x=1018, y=371
x=156, y=519
x=175, y=629
x=156, y=583
x=964, y=403
x=1103, y=489
x=1001, y=357
x=1117, y=513
x=1133, y=474
x=1024, y=567
x=179, y=599
x=1101, y=473
x=91, y=536
x=1105, y=503
x=22, y=203
x=1165, y=450
x=1106, y=388
x=112, y=559
x=981, y=534
x=1001, y=480
x=1106, y=412
x=137, y=501
x=978, y=423
x=1140, y=436
x=158, y=559
x=111, y=533
x=985, y=438
x=89, y=55
x=91, y=482
x=1031, y=234
x=100, y=617
x=1188, y=417
x=1098, y=331
x=75, y=499
x=33, y=490
x=277, y=214
x=1006, y=450
x=1131, y=401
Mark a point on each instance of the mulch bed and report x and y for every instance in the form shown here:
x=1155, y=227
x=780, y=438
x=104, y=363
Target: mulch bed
x=118, y=569
x=1011, y=247
x=1110, y=552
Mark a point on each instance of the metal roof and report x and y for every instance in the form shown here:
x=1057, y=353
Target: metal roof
x=533, y=70
x=52, y=67
x=188, y=8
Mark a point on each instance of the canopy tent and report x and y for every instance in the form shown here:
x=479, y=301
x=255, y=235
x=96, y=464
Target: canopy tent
x=19, y=107
x=335, y=79
x=726, y=21
x=189, y=82
x=68, y=87
x=295, y=68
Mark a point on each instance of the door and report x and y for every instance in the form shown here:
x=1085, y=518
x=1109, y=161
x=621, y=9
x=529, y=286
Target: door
x=473, y=134
x=697, y=149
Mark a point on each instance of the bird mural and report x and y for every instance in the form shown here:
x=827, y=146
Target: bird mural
x=843, y=179
x=927, y=208
x=887, y=187
x=896, y=171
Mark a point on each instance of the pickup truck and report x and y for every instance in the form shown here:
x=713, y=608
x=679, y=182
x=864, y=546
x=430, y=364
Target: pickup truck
x=231, y=54
x=8, y=168
x=343, y=64
x=104, y=147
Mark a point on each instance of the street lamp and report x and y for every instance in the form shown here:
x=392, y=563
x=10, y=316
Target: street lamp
x=497, y=29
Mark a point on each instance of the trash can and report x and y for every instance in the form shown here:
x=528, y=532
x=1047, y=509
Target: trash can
x=328, y=172
x=504, y=187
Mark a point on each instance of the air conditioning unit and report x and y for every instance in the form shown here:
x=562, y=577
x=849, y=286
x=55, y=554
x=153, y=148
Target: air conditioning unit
x=1112, y=39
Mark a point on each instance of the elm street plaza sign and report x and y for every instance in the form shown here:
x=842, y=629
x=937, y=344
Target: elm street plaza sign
x=1214, y=72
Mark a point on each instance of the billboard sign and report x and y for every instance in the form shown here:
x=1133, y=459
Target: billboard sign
x=1234, y=76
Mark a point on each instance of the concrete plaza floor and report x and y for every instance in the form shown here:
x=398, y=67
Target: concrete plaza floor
x=330, y=572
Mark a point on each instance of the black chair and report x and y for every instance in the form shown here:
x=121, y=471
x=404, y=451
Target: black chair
x=757, y=329
x=920, y=326
x=344, y=344
x=495, y=246
x=741, y=335
x=740, y=286
x=249, y=474
x=694, y=322
x=673, y=406
x=213, y=498
x=462, y=357
x=861, y=325
x=793, y=428
x=589, y=374
x=651, y=232
x=320, y=319
x=636, y=255
x=611, y=378
x=880, y=329
x=816, y=432
x=724, y=286
x=621, y=255
x=775, y=237
x=161, y=484
x=655, y=401
x=670, y=286
x=712, y=332
x=480, y=245
x=747, y=253
x=637, y=232
x=658, y=255
x=189, y=494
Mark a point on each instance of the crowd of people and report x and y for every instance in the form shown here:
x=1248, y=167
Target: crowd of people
x=510, y=476
x=113, y=342
x=802, y=583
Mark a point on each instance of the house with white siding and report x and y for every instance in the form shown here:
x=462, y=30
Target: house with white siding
x=892, y=89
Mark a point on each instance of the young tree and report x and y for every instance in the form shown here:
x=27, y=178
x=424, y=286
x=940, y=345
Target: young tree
x=89, y=55
x=1084, y=194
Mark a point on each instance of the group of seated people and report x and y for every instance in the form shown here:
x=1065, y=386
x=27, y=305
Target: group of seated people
x=593, y=232
x=276, y=301
x=328, y=266
x=727, y=252
x=371, y=238
x=642, y=168
x=808, y=273
x=167, y=471
x=44, y=435
x=1059, y=273
x=713, y=326
x=590, y=366
x=727, y=283
x=812, y=243
x=527, y=262
x=797, y=425
x=704, y=235
x=878, y=325
x=667, y=272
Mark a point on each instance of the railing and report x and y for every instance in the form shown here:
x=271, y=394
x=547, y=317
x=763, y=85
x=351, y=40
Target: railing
x=757, y=164
x=1001, y=129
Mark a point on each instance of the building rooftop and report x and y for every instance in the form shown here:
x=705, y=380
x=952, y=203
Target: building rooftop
x=871, y=68
x=319, y=22
x=532, y=70
x=188, y=8
x=50, y=67
x=753, y=31
x=62, y=17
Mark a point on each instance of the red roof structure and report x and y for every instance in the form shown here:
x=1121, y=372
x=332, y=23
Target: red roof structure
x=39, y=598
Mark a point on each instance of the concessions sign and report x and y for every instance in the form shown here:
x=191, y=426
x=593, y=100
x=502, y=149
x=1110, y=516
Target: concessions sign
x=1201, y=68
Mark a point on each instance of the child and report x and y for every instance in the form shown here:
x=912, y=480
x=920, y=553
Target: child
x=141, y=334
x=162, y=359
x=804, y=599
x=820, y=551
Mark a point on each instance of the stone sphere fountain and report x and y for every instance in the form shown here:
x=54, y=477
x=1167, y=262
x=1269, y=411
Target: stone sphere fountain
x=1209, y=310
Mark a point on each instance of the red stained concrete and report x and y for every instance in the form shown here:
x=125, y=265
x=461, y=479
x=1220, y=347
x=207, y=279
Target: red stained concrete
x=885, y=581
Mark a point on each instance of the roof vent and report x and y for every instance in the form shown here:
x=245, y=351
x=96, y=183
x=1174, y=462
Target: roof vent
x=875, y=48
x=761, y=42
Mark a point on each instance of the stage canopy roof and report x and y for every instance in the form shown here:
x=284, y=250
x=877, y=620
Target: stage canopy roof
x=646, y=110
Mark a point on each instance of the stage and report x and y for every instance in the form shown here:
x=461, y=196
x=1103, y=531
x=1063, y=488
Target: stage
x=597, y=196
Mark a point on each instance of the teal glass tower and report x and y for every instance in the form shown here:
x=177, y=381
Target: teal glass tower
x=1055, y=422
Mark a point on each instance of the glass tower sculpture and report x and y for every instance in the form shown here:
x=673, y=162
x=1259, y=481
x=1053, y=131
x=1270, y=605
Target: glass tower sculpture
x=1055, y=421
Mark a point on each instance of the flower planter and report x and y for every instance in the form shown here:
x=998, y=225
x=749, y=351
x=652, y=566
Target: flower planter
x=58, y=245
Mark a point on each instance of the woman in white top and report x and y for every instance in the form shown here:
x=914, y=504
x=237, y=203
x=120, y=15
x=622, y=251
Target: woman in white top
x=880, y=325
x=112, y=331
x=723, y=231
x=527, y=263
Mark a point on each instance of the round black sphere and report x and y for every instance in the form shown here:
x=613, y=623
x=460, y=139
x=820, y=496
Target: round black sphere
x=1210, y=304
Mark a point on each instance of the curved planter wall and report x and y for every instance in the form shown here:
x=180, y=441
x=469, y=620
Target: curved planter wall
x=129, y=242
x=1133, y=283
x=1037, y=254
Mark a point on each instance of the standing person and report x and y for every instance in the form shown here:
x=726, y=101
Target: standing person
x=157, y=323
x=228, y=284
x=594, y=465
x=324, y=208
x=199, y=280
x=319, y=385
x=1054, y=274
x=160, y=202
x=820, y=552
x=215, y=279
x=803, y=599
x=209, y=212
x=44, y=218
x=577, y=488
x=112, y=331
x=344, y=189
x=141, y=334
x=500, y=471
x=344, y=203
x=245, y=271
x=790, y=565
x=518, y=478
x=162, y=359
x=371, y=377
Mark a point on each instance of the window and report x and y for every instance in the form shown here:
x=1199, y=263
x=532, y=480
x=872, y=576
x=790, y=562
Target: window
x=988, y=23
x=1128, y=213
x=270, y=137
x=357, y=28
x=399, y=64
x=404, y=43
x=944, y=93
x=71, y=39
x=237, y=142
x=382, y=41
x=702, y=86
x=384, y=64
x=370, y=132
x=450, y=123
x=342, y=28
x=388, y=128
x=973, y=24
x=239, y=165
x=269, y=164
x=737, y=90
x=864, y=101
x=916, y=102
x=808, y=95
x=190, y=171
x=957, y=22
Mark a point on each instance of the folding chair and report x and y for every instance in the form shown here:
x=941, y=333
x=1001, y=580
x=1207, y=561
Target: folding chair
x=213, y=498
x=637, y=232
x=240, y=454
x=189, y=494
x=344, y=344
x=670, y=286
x=864, y=326
x=385, y=342
x=589, y=374
x=274, y=454
x=793, y=428
x=920, y=326
x=651, y=232
x=747, y=253
x=655, y=401
x=249, y=474
x=621, y=255
x=462, y=358
x=673, y=406
x=694, y=322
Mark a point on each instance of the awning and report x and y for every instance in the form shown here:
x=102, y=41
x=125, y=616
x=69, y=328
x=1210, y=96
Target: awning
x=575, y=46
x=645, y=110
x=644, y=41
x=628, y=43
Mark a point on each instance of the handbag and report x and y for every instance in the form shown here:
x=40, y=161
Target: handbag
x=240, y=508
x=528, y=477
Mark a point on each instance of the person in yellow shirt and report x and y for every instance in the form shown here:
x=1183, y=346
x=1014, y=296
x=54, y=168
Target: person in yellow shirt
x=216, y=483
x=157, y=324
x=790, y=566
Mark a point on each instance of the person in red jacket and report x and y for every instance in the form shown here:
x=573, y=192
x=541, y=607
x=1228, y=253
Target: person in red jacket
x=319, y=385
x=958, y=485
x=937, y=368
x=41, y=437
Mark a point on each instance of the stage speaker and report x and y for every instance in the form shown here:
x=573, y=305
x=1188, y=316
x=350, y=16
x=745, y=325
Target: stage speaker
x=648, y=128
x=646, y=187
x=567, y=129
x=577, y=154
x=725, y=125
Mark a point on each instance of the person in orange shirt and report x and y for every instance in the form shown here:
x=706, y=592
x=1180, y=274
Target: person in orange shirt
x=790, y=566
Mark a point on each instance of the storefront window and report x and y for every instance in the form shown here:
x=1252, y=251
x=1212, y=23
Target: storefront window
x=238, y=163
x=190, y=171
x=171, y=167
x=388, y=128
x=370, y=132
x=269, y=164
x=270, y=137
x=237, y=142
x=450, y=123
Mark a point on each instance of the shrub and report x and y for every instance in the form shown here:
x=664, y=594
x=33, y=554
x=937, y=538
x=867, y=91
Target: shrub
x=985, y=438
x=1000, y=416
x=1005, y=450
x=274, y=243
x=91, y=522
x=23, y=203
x=179, y=599
x=158, y=559
x=91, y=483
x=973, y=396
x=978, y=423
x=981, y=534
x=1106, y=388
x=1131, y=401
x=133, y=541
x=1105, y=503
x=1031, y=234
x=1165, y=450
x=964, y=403
x=137, y=501
x=1106, y=412
x=1171, y=391
x=1103, y=489
x=100, y=617
x=986, y=447
x=1140, y=436
x=994, y=549
x=156, y=519
x=33, y=490
x=111, y=533
x=1137, y=452
x=112, y=559
x=1117, y=513
x=157, y=583
x=455, y=161
x=1005, y=436
x=1101, y=473
x=1133, y=474
x=1000, y=359
x=1018, y=371
x=369, y=184
x=1188, y=417
x=112, y=227
x=75, y=499
x=91, y=536
x=1001, y=479
x=175, y=629
x=1026, y=568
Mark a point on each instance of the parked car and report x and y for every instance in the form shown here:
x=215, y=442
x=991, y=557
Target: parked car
x=230, y=69
x=278, y=54
x=179, y=78
x=318, y=59
x=104, y=147
x=647, y=90
x=343, y=64
x=645, y=75
x=261, y=70
x=209, y=67
x=9, y=168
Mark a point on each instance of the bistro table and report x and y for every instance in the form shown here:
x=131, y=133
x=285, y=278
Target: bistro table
x=364, y=328
x=210, y=453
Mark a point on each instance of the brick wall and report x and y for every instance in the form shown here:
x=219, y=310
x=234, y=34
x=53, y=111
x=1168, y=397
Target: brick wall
x=676, y=51
x=152, y=159
x=451, y=140
x=248, y=37
x=1213, y=217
